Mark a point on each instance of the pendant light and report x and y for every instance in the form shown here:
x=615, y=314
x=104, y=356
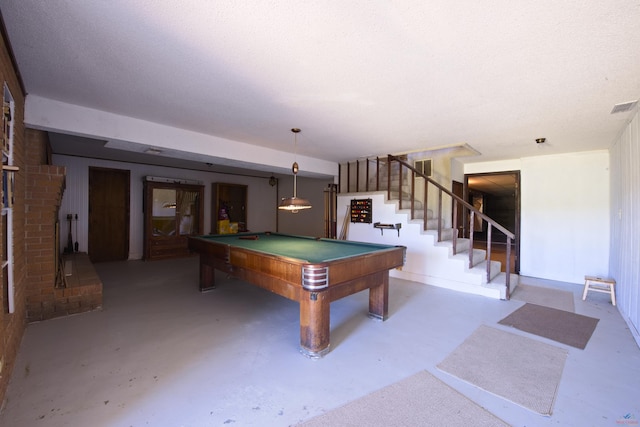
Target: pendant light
x=294, y=204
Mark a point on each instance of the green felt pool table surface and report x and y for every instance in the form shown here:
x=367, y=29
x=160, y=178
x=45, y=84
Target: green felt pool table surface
x=309, y=249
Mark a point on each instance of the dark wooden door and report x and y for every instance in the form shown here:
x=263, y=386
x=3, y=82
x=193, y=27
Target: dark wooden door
x=108, y=214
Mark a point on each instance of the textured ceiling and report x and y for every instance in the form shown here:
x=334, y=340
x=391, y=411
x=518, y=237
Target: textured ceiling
x=359, y=77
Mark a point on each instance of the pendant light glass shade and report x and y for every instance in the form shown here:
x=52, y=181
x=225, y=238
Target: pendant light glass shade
x=294, y=204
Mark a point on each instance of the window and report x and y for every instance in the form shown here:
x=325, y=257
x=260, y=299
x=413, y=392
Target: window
x=423, y=166
x=8, y=191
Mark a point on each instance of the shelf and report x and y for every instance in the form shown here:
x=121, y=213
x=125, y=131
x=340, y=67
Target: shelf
x=228, y=208
x=383, y=227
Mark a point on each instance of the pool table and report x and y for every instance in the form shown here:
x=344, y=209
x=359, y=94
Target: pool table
x=312, y=271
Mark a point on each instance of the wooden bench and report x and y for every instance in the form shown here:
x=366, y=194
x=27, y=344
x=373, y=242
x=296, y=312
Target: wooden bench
x=599, y=284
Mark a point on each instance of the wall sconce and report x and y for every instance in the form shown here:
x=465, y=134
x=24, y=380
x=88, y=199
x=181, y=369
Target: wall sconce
x=294, y=204
x=272, y=181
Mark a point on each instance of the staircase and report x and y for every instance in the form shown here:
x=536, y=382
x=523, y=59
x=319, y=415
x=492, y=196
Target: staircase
x=436, y=254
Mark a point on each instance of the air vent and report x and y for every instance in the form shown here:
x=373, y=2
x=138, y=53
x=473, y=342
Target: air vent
x=423, y=166
x=624, y=107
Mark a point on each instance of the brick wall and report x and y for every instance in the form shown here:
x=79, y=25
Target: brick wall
x=12, y=325
x=44, y=189
x=83, y=288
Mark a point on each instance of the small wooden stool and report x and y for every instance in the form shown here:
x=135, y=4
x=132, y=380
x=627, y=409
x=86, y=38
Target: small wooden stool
x=599, y=284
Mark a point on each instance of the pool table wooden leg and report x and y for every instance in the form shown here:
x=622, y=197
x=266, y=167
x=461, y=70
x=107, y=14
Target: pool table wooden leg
x=207, y=274
x=379, y=299
x=314, y=323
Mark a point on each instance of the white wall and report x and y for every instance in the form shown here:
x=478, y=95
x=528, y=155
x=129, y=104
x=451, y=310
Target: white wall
x=262, y=213
x=625, y=223
x=457, y=171
x=497, y=166
x=564, y=213
x=565, y=216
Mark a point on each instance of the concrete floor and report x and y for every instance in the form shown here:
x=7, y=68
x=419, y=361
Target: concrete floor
x=162, y=354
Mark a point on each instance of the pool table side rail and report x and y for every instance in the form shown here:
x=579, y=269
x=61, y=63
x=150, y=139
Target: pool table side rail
x=284, y=276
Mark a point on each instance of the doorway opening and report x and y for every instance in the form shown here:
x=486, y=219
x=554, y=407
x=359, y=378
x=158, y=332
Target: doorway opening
x=497, y=195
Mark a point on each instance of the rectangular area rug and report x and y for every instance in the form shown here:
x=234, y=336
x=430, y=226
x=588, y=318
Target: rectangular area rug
x=520, y=369
x=420, y=400
x=554, y=298
x=558, y=325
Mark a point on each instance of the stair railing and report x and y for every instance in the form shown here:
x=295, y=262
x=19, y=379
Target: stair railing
x=468, y=210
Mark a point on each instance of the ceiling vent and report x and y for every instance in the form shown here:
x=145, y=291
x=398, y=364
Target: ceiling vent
x=624, y=107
